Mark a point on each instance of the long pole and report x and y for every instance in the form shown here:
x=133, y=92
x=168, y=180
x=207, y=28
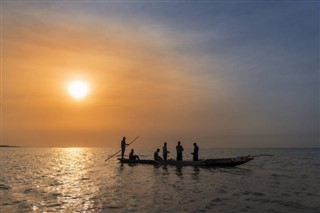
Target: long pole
x=121, y=149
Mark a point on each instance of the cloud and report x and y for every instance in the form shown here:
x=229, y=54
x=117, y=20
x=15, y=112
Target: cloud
x=220, y=76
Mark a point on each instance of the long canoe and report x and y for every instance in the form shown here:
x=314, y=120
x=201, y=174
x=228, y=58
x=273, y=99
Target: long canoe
x=216, y=162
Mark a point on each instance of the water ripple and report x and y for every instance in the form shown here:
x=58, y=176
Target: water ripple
x=78, y=180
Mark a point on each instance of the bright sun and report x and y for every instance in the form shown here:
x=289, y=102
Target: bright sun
x=78, y=89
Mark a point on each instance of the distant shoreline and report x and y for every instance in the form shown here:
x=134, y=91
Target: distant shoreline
x=7, y=146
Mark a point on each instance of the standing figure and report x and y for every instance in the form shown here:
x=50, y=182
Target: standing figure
x=195, y=152
x=179, y=151
x=123, y=146
x=165, y=151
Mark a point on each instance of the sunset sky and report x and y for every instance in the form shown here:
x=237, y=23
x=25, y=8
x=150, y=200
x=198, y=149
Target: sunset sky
x=223, y=74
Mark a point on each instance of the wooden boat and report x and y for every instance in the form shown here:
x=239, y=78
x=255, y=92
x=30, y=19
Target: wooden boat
x=216, y=162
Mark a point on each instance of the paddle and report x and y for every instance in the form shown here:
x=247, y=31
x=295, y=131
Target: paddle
x=121, y=149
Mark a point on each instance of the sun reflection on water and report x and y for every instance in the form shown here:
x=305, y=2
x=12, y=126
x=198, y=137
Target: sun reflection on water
x=60, y=180
x=72, y=183
x=73, y=149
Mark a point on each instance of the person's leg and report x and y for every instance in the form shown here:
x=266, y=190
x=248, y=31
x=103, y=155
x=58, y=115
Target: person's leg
x=179, y=157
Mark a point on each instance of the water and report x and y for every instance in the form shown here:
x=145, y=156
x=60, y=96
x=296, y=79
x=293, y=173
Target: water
x=78, y=180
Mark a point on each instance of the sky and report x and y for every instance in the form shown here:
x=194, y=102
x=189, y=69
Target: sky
x=222, y=74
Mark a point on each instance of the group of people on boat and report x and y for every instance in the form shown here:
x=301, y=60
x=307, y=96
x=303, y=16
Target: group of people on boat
x=179, y=149
x=165, y=152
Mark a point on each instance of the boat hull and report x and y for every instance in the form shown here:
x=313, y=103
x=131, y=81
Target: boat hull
x=218, y=162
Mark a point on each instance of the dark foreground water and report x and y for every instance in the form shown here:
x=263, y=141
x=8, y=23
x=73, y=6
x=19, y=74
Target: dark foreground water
x=78, y=180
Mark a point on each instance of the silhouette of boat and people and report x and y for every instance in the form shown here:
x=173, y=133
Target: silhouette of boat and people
x=158, y=160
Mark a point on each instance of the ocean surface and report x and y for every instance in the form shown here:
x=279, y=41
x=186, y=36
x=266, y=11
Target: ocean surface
x=79, y=180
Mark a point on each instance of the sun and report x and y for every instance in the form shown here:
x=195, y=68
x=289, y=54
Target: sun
x=78, y=89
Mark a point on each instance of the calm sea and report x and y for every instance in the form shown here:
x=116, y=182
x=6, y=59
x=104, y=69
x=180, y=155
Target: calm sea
x=79, y=180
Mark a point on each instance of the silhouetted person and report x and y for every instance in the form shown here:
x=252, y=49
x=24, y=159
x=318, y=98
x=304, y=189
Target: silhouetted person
x=123, y=146
x=132, y=156
x=195, y=152
x=156, y=156
x=165, y=151
x=179, y=151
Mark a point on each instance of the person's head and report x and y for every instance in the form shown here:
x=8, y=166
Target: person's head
x=131, y=150
x=178, y=142
x=158, y=150
x=124, y=138
x=165, y=143
x=194, y=144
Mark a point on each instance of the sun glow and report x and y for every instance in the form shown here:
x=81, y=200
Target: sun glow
x=78, y=89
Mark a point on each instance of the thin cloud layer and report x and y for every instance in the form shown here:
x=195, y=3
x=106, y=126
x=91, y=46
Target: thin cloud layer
x=222, y=74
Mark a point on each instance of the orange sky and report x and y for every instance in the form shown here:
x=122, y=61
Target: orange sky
x=137, y=88
x=141, y=83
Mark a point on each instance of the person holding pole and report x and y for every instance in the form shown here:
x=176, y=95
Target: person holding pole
x=123, y=146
